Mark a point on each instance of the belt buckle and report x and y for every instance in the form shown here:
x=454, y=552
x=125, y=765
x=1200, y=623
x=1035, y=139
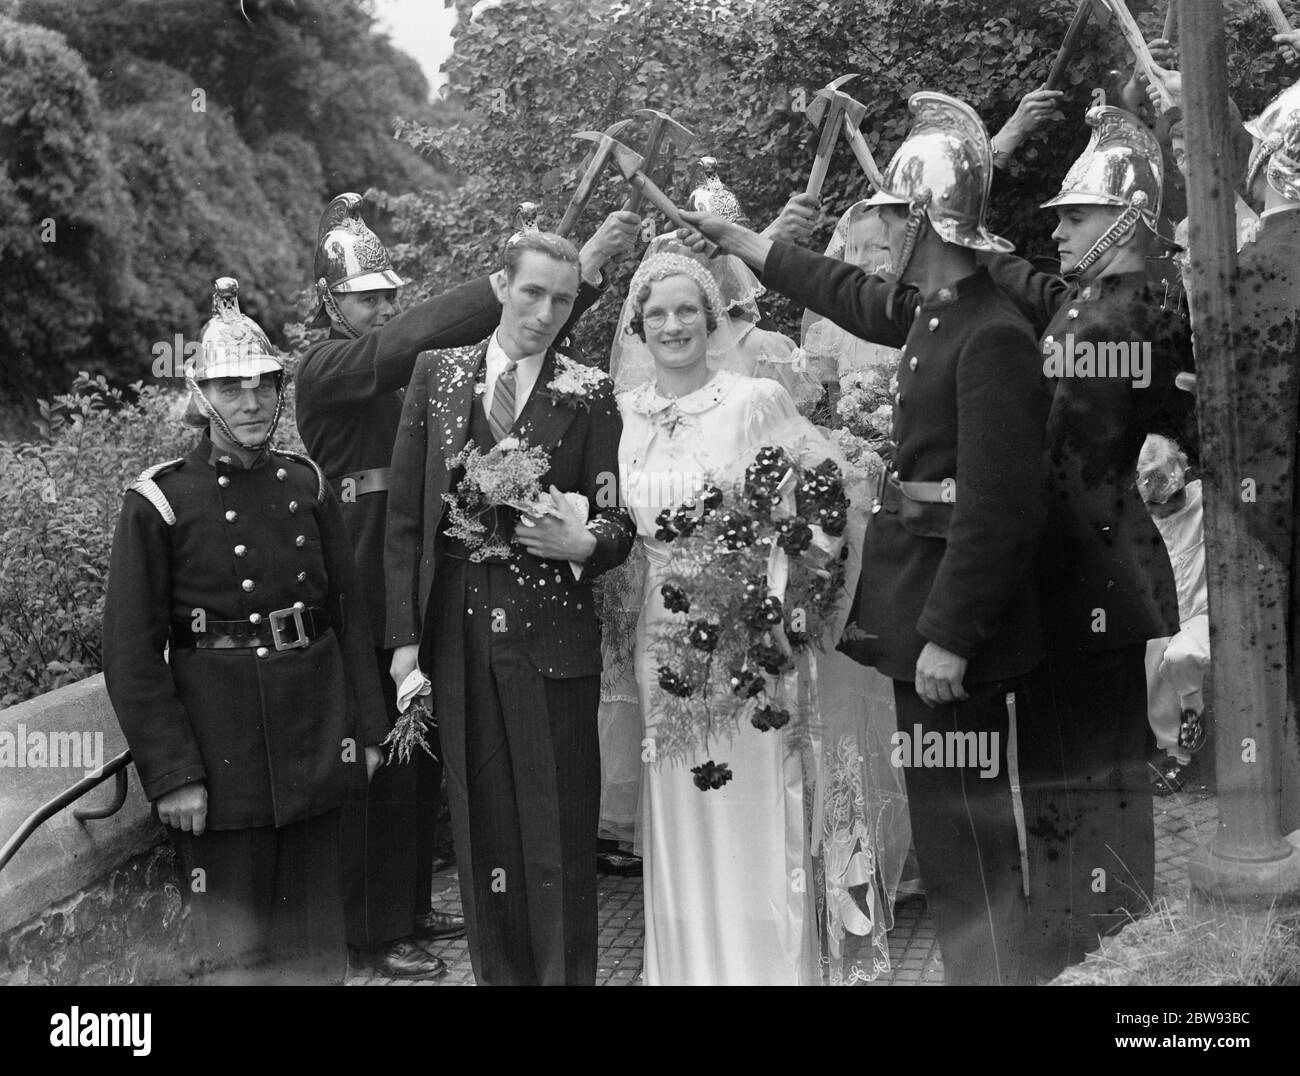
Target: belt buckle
x=277, y=621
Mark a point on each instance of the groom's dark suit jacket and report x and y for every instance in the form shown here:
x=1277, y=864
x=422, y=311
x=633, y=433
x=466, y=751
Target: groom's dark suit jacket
x=562, y=634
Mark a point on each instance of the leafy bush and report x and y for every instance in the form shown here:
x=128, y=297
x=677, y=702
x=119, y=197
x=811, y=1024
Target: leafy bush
x=59, y=500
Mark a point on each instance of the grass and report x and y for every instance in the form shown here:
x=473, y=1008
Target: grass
x=1167, y=947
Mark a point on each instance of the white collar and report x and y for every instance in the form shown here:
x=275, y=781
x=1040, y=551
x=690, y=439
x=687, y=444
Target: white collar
x=497, y=359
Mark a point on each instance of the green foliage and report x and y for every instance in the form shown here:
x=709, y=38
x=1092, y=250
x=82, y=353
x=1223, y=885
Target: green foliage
x=528, y=73
x=59, y=500
x=171, y=142
x=64, y=215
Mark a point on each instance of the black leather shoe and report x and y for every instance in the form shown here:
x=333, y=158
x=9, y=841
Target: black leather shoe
x=406, y=960
x=434, y=925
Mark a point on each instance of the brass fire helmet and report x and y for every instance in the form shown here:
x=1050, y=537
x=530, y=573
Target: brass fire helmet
x=349, y=258
x=1276, y=132
x=1121, y=166
x=231, y=344
x=943, y=168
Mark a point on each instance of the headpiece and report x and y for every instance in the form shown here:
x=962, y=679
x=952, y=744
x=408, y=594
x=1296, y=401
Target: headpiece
x=1268, y=130
x=349, y=258
x=713, y=196
x=231, y=344
x=1121, y=166
x=943, y=171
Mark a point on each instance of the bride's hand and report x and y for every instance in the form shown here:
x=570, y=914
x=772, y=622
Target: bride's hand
x=563, y=536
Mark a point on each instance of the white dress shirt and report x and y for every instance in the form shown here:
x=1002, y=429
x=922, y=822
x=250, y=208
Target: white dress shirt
x=526, y=374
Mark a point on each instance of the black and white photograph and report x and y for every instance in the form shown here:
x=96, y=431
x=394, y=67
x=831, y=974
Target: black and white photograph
x=651, y=493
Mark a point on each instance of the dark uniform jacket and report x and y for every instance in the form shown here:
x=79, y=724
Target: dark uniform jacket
x=349, y=404
x=969, y=407
x=562, y=634
x=1107, y=581
x=276, y=735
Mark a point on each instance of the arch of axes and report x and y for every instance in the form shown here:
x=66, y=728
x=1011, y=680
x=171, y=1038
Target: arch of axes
x=831, y=109
x=835, y=112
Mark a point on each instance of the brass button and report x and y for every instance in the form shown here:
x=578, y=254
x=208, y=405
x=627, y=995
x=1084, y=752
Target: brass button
x=248, y=586
x=293, y=507
x=934, y=324
x=300, y=541
x=241, y=550
x=912, y=365
x=223, y=481
x=281, y=474
x=255, y=618
x=1073, y=312
x=262, y=651
x=302, y=577
x=232, y=516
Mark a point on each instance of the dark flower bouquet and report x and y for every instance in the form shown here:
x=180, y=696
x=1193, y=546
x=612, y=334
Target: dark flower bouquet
x=755, y=574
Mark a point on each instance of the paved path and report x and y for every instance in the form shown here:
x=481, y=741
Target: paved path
x=1183, y=821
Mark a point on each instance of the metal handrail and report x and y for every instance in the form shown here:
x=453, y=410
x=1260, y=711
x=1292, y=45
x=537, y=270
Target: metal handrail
x=115, y=768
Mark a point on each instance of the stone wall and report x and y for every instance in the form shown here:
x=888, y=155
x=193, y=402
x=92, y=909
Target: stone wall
x=124, y=928
x=81, y=902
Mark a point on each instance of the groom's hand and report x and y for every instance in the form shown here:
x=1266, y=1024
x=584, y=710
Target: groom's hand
x=939, y=674
x=404, y=660
x=559, y=537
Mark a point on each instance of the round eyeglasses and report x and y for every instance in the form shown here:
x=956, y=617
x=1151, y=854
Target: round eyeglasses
x=685, y=315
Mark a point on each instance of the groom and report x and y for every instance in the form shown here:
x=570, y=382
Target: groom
x=512, y=644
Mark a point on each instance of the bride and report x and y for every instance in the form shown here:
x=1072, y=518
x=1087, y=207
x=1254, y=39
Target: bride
x=729, y=883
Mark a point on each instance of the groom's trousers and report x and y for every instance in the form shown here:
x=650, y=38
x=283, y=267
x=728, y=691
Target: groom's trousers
x=964, y=831
x=523, y=782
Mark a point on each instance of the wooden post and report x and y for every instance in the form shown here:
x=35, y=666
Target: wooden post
x=1247, y=863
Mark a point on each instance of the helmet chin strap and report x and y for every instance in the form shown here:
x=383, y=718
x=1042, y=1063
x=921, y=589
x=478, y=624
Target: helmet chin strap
x=214, y=416
x=1259, y=158
x=1123, y=224
x=335, y=314
x=915, y=218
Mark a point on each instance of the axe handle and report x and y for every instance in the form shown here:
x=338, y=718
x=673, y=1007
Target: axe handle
x=862, y=151
x=822, y=162
x=1138, y=46
x=1274, y=12
x=652, y=148
x=652, y=194
x=582, y=195
x=1069, y=46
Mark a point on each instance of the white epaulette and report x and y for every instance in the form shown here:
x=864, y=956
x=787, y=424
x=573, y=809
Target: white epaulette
x=148, y=489
x=321, y=484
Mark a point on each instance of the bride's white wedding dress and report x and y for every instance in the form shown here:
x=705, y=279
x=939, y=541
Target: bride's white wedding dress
x=729, y=891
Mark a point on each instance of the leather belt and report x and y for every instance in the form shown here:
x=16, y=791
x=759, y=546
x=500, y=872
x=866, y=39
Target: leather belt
x=283, y=629
x=944, y=492
x=374, y=480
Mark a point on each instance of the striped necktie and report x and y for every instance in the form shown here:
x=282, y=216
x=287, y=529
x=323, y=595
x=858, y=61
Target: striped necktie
x=502, y=416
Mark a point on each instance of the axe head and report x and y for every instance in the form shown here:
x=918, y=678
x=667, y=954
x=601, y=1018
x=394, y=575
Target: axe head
x=679, y=135
x=827, y=95
x=1100, y=12
x=628, y=161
